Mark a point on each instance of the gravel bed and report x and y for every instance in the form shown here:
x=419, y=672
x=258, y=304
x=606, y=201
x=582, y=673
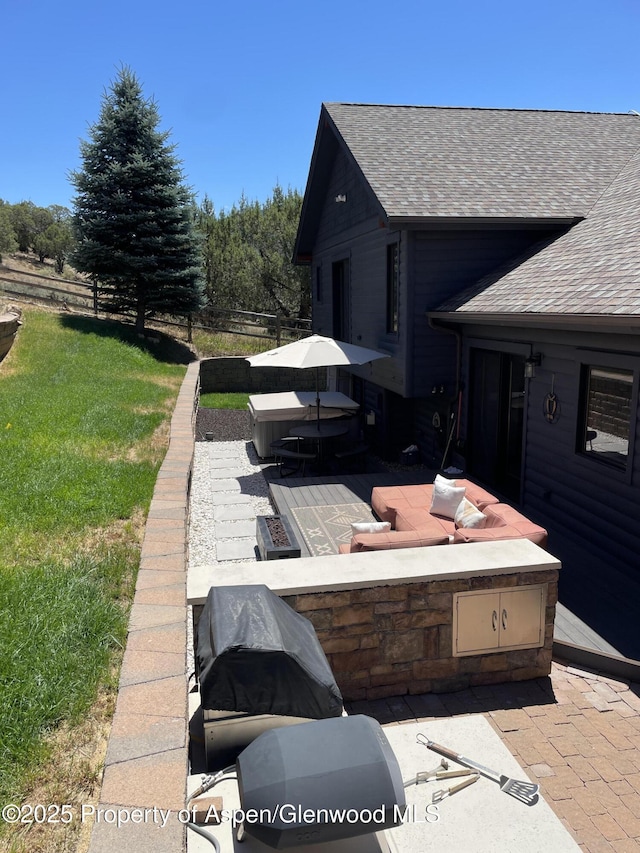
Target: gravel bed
x=225, y=424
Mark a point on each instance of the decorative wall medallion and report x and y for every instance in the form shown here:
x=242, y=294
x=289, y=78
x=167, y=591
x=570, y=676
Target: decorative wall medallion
x=551, y=408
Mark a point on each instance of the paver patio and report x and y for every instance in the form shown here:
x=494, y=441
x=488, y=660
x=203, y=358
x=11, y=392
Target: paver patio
x=576, y=732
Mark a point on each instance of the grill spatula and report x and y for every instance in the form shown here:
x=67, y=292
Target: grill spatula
x=526, y=792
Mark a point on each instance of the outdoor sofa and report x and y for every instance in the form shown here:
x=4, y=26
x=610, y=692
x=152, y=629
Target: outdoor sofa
x=441, y=513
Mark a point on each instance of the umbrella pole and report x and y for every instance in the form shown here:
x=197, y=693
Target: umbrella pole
x=318, y=398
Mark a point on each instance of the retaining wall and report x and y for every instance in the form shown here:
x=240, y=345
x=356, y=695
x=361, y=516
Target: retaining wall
x=235, y=374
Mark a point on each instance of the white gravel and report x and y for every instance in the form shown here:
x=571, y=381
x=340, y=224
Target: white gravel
x=228, y=491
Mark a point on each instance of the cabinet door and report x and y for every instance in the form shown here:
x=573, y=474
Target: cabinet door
x=476, y=622
x=522, y=612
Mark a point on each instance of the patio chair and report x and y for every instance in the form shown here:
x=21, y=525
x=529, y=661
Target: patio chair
x=289, y=454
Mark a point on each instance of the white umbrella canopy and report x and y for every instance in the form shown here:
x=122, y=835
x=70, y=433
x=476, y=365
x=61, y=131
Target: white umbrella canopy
x=315, y=351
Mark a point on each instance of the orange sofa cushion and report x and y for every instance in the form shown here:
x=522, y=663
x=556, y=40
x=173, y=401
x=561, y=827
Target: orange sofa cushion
x=503, y=522
x=386, y=501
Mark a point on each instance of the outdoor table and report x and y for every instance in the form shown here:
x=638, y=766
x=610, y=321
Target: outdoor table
x=321, y=432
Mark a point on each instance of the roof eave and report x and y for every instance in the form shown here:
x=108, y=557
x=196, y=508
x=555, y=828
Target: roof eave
x=474, y=222
x=616, y=323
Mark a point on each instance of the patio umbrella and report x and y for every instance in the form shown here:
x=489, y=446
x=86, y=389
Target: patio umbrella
x=315, y=351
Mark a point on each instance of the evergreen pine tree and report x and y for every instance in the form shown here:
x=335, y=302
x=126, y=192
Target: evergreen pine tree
x=133, y=214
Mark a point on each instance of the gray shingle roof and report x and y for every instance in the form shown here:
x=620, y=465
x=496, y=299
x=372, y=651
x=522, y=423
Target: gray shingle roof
x=594, y=269
x=459, y=162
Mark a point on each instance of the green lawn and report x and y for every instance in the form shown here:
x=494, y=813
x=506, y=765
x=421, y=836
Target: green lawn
x=228, y=400
x=84, y=407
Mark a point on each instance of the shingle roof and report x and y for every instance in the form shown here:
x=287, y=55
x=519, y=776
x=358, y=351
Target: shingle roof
x=593, y=269
x=467, y=162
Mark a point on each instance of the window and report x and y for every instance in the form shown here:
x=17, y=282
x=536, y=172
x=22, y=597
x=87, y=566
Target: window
x=606, y=414
x=319, y=283
x=341, y=300
x=393, y=283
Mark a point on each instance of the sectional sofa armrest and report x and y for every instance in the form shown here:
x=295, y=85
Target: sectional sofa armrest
x=395, y=539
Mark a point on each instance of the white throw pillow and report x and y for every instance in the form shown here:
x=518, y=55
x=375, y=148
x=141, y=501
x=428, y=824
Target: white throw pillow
x=467, y=515
x=446, y=497
x=370, y=527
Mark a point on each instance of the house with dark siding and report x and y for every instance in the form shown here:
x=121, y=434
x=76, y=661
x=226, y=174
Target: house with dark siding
x=494, y=255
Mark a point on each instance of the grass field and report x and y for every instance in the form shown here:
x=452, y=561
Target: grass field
x=228, y=400
x=84, y=413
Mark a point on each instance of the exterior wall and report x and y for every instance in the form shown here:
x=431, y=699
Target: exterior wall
x=389, y=640
x=584, y=500
x=443, y=264
x=434, y=265
x=355, y=231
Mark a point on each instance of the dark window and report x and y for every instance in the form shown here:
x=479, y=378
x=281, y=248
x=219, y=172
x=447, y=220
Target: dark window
x=606, y=414
x=393, y=282
x=341, y=301
x=319, y=284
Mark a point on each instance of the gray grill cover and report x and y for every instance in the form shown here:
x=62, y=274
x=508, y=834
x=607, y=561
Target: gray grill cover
x=257, y=655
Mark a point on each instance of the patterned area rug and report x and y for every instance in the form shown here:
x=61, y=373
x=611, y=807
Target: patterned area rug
x=324, y=528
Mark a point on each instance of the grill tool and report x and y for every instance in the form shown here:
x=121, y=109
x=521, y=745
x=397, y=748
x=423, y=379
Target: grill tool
x=526, y=792
x=447, y=792
x=439, y=772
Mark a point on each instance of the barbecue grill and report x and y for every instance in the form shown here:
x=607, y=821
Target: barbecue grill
x=260, y=667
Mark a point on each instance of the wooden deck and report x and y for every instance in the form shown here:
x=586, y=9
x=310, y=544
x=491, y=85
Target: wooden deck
x=593, y=613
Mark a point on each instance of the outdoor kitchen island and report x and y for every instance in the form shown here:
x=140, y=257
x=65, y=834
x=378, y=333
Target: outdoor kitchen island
x=415, y=620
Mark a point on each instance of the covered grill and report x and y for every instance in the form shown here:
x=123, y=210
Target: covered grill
x=260, y=666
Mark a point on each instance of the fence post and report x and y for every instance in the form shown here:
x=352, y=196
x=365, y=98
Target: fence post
x=189, y=330
x=278, y=330
x=95, y=297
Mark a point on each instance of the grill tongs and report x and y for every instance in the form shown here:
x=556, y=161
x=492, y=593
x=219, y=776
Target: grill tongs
x=526, y=792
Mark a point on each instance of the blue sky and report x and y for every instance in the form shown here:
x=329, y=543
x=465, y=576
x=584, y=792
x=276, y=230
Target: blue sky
x=239, y=86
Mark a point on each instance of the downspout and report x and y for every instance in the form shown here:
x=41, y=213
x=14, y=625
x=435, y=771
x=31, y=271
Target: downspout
x=409, y=358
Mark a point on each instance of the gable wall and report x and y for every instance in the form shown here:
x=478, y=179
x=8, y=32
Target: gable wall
x=355, y=231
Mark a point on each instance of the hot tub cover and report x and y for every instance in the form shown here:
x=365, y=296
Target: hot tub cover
x=299, y=405
x=257, y=655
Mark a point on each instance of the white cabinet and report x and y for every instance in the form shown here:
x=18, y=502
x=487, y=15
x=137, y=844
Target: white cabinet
x=497, y=620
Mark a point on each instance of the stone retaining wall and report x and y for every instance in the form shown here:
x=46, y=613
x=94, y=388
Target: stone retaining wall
x=390, y=640
x=235, y=374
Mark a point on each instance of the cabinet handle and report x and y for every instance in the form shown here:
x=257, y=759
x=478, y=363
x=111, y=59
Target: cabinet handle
x=504, y=619
x=494, y=620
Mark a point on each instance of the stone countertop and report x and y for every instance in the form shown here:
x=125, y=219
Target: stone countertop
x=481, y=817
x=373, y=568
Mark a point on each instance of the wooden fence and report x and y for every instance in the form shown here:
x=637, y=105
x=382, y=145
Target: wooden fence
x=80, y=297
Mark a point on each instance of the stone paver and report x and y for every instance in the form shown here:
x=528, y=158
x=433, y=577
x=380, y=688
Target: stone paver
x=235, y=512
x=235, y=549
x=243, y=528
x=584, y=758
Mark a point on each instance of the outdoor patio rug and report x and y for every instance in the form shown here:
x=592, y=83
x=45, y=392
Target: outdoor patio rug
x=324, y=528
